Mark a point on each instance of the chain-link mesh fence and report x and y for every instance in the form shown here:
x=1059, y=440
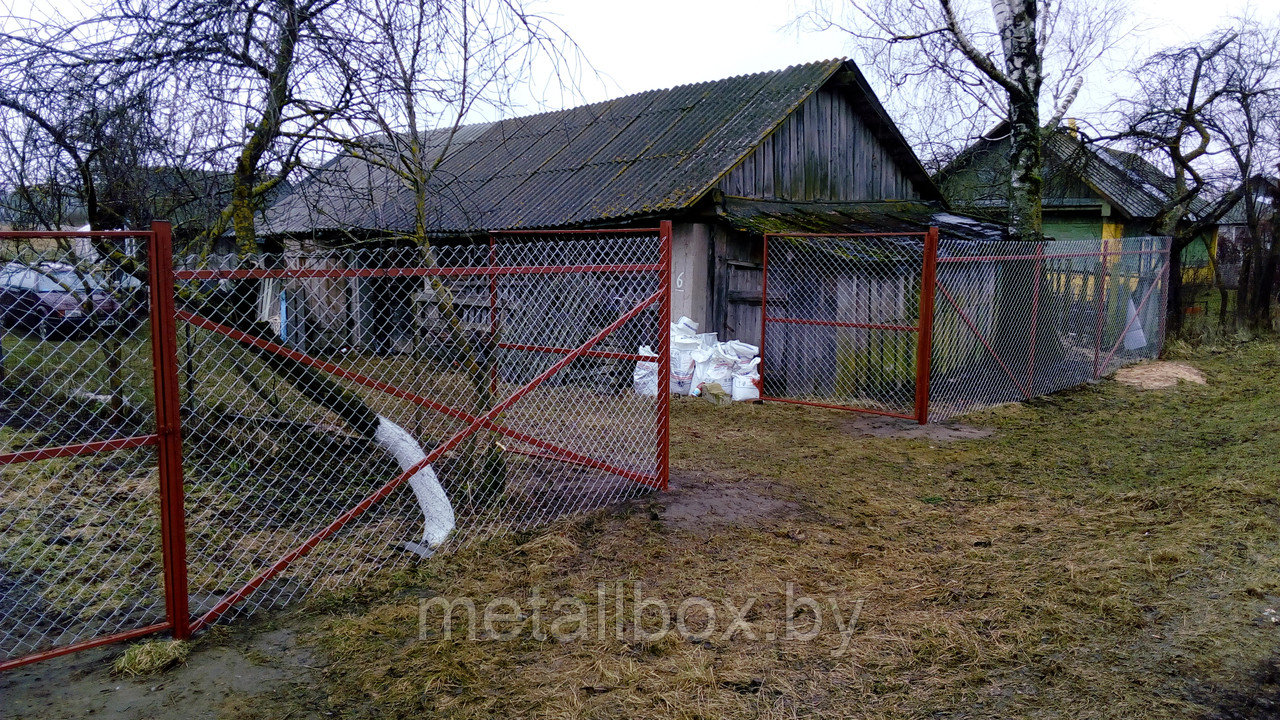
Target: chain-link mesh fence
x=346, y=410
x=1010, y=321
x=1016, y=320
x=840, y=320
x=79, y=511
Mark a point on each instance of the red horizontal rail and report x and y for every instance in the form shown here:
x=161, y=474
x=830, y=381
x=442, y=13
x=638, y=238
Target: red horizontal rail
x=593, y=353
x=87, y=644
x=649, y=480
x=579, y=231
x=88, y=448
x=261, y=273
x=23, y=234
x=564, y=453
x=840, y=235
x=830, y=406
x=227, y=602
x=837, y=323
x=1099, y=254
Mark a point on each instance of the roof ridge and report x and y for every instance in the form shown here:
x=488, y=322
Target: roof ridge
x=681, y=86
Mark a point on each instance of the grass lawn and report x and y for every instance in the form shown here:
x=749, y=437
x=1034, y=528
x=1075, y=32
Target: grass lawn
x=1103, y=553
x=1106, y=552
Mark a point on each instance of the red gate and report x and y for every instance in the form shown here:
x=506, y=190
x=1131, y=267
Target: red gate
x=847, y=321
x=495, y=381
x=531, y=319
x=74, y=369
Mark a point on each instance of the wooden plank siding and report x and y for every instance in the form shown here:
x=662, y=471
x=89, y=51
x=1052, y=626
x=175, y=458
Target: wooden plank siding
x=823, y=151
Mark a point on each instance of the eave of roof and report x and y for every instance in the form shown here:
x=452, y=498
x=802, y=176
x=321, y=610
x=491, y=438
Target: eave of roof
x=768, y=216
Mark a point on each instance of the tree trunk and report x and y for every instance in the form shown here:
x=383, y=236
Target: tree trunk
x=1173, y=305
x=1266, y=288
x=1016, y=23
x=1025, y=182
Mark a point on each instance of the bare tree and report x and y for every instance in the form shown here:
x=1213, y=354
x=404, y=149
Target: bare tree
x=953, y=69
x=75, y=138
x=1202, y=109
x=1248, y=122
x=418, y=70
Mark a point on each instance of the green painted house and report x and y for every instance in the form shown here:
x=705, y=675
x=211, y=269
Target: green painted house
x=1090, y=192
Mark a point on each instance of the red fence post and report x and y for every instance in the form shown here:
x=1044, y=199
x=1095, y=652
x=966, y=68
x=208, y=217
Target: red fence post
x=164, y=354
x=664, y=356
x=924, y=333
x=764, y=308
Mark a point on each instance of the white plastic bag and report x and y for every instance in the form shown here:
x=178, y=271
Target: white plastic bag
x=684, y=341
x=745, y=379
x=644, y=379
x=713, y=365
x=682, y=363
x=684, y=327
x=1135, y=338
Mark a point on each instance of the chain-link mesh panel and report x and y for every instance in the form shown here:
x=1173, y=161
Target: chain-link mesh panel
x=79, y=517
x=1016, y=320
x=348, y=410
x=841, y=316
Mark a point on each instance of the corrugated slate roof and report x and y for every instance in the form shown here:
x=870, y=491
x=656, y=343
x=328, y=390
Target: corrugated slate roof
x=1125, y=180
x=648, y=153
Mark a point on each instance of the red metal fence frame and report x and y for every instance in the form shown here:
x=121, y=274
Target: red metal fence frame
x=661, y=298
x=167, y=440
x=923, y=329
x=168, y=435
x=1104, y=254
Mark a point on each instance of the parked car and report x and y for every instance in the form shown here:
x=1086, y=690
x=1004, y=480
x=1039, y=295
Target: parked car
x=54, y=300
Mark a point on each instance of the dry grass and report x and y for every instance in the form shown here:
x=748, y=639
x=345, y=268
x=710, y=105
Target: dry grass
x=1108, y=552
x=151, y=657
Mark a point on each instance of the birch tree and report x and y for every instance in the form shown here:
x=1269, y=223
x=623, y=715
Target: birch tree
x=953, y=69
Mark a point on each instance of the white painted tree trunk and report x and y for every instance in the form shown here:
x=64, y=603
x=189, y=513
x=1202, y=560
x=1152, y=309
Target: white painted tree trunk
x=437, y=511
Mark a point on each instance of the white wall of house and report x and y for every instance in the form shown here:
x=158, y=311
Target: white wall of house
x=690, y=250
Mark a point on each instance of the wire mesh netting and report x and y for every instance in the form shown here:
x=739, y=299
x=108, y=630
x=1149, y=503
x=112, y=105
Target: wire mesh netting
x=1010, y=320
x=841, y=314
x=1017, y=320
x=494, y=381
x=79, y=520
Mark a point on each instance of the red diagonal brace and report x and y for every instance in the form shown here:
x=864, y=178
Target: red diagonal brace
x=564, y=453
x=227, y=602
x=1026, y=392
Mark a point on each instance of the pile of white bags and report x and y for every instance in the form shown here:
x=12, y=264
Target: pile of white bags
x=698, y=359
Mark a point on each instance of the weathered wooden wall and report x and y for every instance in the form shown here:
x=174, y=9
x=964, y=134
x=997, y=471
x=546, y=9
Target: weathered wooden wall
x=736, y=284
x=823, y=151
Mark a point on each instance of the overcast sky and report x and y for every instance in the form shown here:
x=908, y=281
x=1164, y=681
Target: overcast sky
x=639, y=46
x=661, y=43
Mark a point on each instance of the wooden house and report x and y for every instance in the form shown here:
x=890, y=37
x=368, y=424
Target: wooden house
x=1091, y=192
x=808, y=148
x=1234, y=233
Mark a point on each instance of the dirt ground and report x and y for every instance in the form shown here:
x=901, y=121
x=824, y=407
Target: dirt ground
x=1103, y=553
x=224, y=678
x=1159, y=374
